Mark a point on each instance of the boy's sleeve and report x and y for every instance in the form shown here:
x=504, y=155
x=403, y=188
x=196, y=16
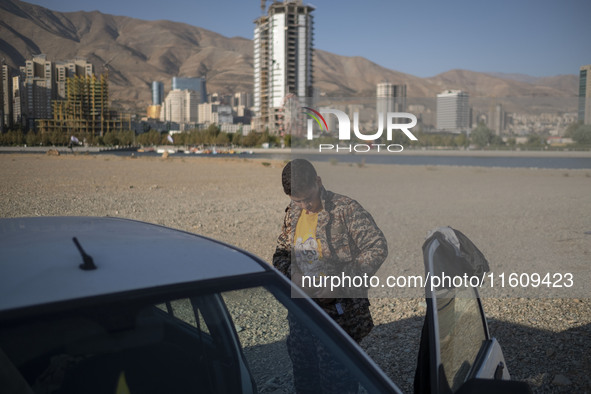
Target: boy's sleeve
x=282, y=255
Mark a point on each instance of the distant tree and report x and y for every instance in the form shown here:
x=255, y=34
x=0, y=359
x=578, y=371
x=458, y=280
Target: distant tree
x=12, y=138
x=177, y=139
x=32, y=138
x=436, y=140
x=164, y=139
x=236, y=138
x=582, y=134
x=210, y=134
x=571, y=129
x=152, y=137
x=125, y=137
x=222, y=139
x=287, y=140
x=497, y=140
x=251, y=139
x=265, y=138
x=110, y=139
x=461, y=140
x=45, y=140
x=535, y=141
x=58, y=138
x=481, y=136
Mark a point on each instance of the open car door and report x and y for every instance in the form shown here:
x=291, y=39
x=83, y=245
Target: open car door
x=457, y=353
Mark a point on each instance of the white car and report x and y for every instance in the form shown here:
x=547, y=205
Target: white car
x=107, y=305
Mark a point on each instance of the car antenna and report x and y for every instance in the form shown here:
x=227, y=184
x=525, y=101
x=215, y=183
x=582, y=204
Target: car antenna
x=88, y=264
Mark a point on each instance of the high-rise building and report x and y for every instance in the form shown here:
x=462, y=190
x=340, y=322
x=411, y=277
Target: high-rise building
x=453, y=111
x=215, y=113
x=496, y=119
x=390, y=98
x=85, y=109
x=585, y=94
x=157, y=92
x=44, y=81
x=196, y=85
x=241, y=104
x=206, y=112
x=17, y=101
x=39, y=88
x=64, y=70
x=155, y=108
x=5, y=98
x=283, y=59
x=180, y=106
x=154, y=111
x=242, y=99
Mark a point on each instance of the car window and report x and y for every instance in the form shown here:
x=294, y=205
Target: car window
x=125, y=347
x=261, y=324
x=458, y=322
x=239, y=341
x=461, y=332
x=183, y=310
x=271, y=338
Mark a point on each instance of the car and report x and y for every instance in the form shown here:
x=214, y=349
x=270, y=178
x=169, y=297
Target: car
x=112, y=305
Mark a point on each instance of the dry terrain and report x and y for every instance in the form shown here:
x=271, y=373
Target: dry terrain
x=524, y=220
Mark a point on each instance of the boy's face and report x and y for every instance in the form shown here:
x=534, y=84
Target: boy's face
x=309, y=199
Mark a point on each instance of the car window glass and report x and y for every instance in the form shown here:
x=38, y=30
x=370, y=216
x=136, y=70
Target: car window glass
x=243, y=341
x=461, y=332
x=261, y=323
x=271, y=338
x=183, y=310
x=125, y=347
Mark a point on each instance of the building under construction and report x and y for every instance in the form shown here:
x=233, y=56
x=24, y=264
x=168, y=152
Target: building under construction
x=85, y=111
x=283, y=60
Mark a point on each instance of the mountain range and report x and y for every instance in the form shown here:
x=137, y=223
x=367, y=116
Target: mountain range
x=138, y=52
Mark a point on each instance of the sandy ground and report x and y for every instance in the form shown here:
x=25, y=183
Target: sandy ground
x=524, y=221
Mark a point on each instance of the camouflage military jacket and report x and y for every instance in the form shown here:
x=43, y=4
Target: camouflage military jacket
x=351, y=243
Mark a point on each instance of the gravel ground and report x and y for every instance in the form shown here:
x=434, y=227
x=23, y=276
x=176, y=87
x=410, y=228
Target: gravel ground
x=523, y=220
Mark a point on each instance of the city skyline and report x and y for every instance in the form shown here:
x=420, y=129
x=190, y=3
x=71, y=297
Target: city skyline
x=540, y=38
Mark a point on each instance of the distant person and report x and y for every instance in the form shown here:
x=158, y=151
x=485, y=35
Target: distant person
x=325, y=234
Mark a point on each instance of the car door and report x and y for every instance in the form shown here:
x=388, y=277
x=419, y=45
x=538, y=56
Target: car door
x=457, y=351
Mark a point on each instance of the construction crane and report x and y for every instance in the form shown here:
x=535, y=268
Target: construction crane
x=106, y=64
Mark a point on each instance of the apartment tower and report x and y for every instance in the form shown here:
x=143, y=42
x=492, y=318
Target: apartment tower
x=196, y=85
x=157, y=98
x=585, y=94
x=283, y=59
x=180, y=106
x=38, y=88
x=390, y=98
x=6, y=98
x=453, y=111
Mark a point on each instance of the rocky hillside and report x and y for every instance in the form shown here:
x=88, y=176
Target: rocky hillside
x=138, y=52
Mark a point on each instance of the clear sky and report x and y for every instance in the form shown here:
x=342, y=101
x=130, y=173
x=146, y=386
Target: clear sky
x=418, y=37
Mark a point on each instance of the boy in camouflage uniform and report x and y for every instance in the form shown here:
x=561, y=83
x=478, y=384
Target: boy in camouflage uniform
x=326, y=234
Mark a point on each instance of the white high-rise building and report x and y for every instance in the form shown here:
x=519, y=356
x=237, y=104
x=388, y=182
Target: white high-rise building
x=180, y=106
x=283, y=59
x=5, y=97
x=453, y=111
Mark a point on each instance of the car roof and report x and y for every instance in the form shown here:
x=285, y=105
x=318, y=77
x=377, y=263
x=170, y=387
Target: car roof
x=40, y=263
